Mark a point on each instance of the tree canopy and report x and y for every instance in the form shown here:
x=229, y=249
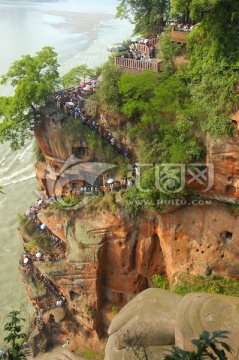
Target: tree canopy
x=77, y=75
x=107, y=93
x=147, y=14
x=32, y=77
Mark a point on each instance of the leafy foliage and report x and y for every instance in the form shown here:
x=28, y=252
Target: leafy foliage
x=22, y=219
x=38, y=154
x=14, y=338
x=101, y=203
x=167, y=51
x=32, y=79
x=115, y=309
x=210, y=346
x=137, y=90
x=32, y=245
x=147, y=14
x=180, y=8
x=166, y=119
x=76, y=75
x=107, y=89
x=211, y=284
x=65, y=203
x=145, y=194
x=160, y=282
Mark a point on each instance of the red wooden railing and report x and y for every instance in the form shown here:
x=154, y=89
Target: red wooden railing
x=144, y=48
x=137, y=64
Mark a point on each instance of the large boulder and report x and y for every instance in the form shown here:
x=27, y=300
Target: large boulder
x=200, y=311
x=146, y=322
x=156, y=319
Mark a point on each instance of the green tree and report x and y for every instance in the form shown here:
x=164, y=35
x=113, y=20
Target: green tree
x=107, y=90
x=15, y=337
x=181, y=8
x=167, y=51
x=32, y=77
x=147, y=14
x=77, y=75
x=137, y=90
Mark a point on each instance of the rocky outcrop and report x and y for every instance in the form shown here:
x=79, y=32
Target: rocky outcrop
x=148, y=319
x=198, y=312
x=223, y=155
x=157, y=318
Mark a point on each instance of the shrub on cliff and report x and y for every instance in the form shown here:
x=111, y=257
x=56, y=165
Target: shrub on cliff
x=15, y=337
x=160, y=282
x=22, y=219
x=186, y=284
x=37, y=153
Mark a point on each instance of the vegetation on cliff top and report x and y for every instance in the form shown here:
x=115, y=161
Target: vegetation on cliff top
x=173, y=112
x=212, y=284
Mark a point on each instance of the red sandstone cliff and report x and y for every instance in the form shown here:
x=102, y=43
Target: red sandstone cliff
x=110, y=257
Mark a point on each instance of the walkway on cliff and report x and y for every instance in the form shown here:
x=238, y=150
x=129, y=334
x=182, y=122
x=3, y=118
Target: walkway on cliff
x=58, y=353
x=75, y=112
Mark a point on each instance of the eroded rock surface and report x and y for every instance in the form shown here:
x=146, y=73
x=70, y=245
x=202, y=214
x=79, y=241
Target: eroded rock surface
x=149, y=319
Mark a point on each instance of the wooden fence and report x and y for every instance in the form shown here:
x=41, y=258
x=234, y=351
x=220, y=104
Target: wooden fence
x=144, y=48
x=137, y=64
x=179, y=36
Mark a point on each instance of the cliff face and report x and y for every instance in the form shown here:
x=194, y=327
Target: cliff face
x=224, y=155
x=108, y=257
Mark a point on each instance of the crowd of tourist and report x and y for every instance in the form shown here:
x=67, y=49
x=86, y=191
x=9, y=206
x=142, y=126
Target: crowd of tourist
x=77, y=190
x=72, y=99
x=120, y=147
x=136, y=53
x=184, y=27
x=42, y=229
x=60, y=298
x=28, y=258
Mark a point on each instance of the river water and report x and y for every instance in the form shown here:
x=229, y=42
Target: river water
x=80, y=32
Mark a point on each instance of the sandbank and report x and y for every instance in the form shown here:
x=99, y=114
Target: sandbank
x=77, y=22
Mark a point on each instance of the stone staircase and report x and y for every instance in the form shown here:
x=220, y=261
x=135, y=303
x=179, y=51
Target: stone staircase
x=46, y=282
